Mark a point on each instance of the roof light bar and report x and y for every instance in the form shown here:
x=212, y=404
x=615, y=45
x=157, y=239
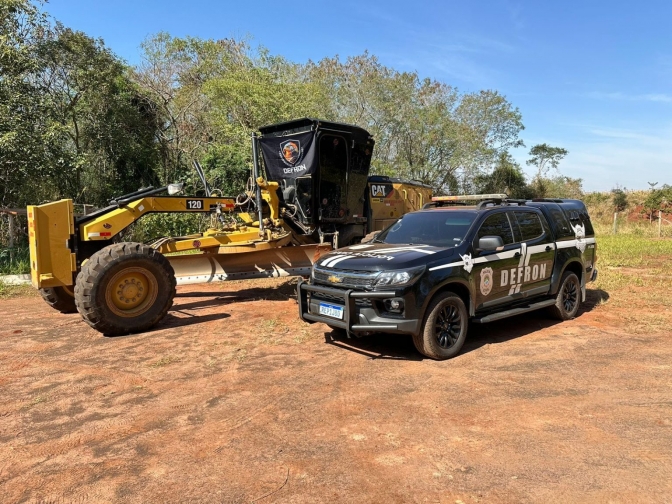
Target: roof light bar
x=470, y=197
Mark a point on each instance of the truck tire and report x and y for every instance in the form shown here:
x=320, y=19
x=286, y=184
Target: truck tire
x=59, y=298
x=445, y=327
x=568, y=299
x=125, y=288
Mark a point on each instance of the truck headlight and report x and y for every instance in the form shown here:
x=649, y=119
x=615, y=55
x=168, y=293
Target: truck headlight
x=398, y=278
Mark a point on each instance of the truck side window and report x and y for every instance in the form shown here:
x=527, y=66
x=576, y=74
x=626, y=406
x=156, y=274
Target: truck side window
x=517, y=236
x=530, y=225
x=561, y=222
x=496, y=225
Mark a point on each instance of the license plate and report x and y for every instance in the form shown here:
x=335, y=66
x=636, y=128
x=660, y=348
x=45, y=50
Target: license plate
x=331, y=310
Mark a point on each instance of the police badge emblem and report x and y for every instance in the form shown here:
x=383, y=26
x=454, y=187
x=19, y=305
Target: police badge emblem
x=486, y=281
x=291, y=152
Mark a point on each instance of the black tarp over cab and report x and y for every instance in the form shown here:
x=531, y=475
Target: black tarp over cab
x=321, y=166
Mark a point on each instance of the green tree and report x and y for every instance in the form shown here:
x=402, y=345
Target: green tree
x=28, y=140
x=71, y=123
x=619, y=199
x=544, y=158
x=424, y=129
x=657, y=199
x=507, y=177
x=107, y=129
x=559, y=187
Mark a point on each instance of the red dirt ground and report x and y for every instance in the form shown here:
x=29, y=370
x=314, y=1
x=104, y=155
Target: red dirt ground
x=233, y=399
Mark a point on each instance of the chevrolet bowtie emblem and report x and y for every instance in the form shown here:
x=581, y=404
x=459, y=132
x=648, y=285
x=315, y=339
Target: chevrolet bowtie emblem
x=335, y=279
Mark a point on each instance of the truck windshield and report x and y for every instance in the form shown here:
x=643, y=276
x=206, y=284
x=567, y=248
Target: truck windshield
x=435, y=228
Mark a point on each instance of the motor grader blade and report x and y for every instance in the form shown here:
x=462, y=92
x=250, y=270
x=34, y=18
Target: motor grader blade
x=268, y=263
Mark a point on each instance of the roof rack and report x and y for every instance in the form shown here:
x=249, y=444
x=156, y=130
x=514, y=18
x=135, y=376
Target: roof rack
x=471, y=197
x=484, y=200
x=462, y=199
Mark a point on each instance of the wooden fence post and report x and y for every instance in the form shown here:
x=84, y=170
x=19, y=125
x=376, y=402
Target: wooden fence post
x=11, y=238
x=660, y=223
x=615, y=222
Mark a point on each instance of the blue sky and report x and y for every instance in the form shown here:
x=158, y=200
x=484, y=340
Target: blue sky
x=592, y=77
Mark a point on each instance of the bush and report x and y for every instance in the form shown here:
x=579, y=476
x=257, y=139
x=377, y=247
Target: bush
x=14, y=261
x=168, y=224
x=658, y=199
x=619, y=199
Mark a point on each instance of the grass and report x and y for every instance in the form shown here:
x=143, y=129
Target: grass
x=270, y=330
x=164, y=361
x=635, y=271
x=14, y=261
x=8, y=291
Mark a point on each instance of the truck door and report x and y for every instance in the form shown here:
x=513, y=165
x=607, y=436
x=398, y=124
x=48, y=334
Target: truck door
x=491, y=272
x=537, y=253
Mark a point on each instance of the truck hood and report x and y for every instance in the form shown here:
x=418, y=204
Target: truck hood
x=381, y=256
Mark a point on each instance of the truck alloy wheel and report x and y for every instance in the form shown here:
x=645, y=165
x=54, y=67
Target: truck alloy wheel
x=445, y=328
x=568, y=300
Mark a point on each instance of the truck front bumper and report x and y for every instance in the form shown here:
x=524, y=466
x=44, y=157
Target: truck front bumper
x=356, y=318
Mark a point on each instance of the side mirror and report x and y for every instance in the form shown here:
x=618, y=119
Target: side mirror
x=490, y=243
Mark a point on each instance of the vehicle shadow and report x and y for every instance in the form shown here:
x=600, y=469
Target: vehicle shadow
x=521, y=325
x=376, y=346
x=282, y=292
x=400, y=347
x=170, y=321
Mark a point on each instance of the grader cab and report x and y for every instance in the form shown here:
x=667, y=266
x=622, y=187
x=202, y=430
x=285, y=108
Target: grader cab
x=312, y=193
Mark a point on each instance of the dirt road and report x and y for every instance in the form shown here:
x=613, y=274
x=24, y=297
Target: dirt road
x=233, y=399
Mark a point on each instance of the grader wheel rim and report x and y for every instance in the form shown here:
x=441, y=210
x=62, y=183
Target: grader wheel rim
x=131, y=292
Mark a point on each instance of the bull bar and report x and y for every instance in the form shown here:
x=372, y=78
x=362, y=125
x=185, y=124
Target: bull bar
x=348, y=297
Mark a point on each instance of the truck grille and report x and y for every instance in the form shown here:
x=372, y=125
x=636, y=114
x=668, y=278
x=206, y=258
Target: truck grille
x=348, y=279
x=322, y=296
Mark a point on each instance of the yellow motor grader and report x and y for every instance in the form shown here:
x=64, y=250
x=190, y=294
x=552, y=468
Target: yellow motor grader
x=314, y=195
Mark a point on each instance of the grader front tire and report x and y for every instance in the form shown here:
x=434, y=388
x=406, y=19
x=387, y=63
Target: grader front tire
x=125, y=288
x=60, y=298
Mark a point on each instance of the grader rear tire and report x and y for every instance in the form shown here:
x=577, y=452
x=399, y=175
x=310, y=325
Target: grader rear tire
x=125, y=288
x=60, y=298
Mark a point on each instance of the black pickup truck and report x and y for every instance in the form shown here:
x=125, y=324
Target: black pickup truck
x=433, y=270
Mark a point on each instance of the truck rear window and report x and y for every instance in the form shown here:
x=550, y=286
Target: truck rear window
x=436, y=228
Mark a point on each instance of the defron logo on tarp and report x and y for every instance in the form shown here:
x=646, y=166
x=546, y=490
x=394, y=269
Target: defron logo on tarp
x=290, y=152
